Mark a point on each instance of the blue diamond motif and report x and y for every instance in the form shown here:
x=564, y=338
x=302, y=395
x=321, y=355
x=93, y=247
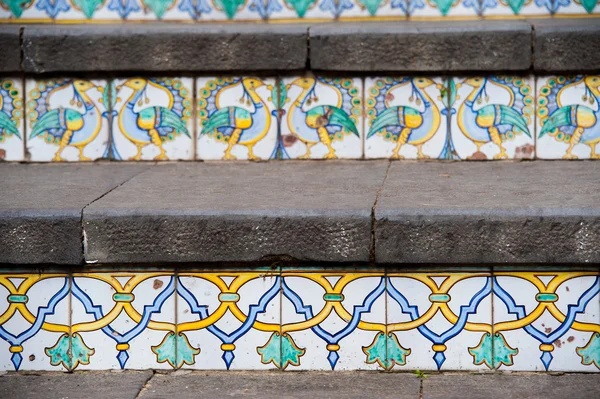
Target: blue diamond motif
x=228, y=357
x=439, y=358
x=546, y=359
x=333, y=358
x=16, y=360
x=122, y=357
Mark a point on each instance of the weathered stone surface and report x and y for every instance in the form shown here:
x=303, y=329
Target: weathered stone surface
x=10, y=48
x=517, y=386
x=91, y=385
x=490, y=212
x=237, y=212
x=421, y=46
x=164, y=47
x=276, y=385
x=40, y=208
x=566, y=45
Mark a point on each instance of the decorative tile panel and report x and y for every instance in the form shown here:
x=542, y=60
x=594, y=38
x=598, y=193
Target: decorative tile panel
x=11, y=120
x=576, y=7
x=237, y=118
x=152, y=119
x=507, y=8
x=66, y=120
x=568, y=116
x=321, y=118
x=406, y=118
x=492, y=117
x=444, y=8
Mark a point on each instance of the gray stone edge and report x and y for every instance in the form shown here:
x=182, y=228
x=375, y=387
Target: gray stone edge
x=285, y=47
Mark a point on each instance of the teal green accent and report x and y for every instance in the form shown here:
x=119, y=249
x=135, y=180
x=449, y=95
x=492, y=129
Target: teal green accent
x=159, y=7
x=333, y=297
x=109, y=95
x=80, y=351
x=229, y=7
x=444, y=5
x=176, y=350
x=448, y=92
x=376, y=351
x=502, y=352
x=439, y=298
x=588, y=5
x=336, y=117
x=122, y=297
x=591, y=352
x=546, y=297
x=15, y=6
x=59, y=353
x=516, y=5
x=281, y=351
x=395, y=353
x=229, y=297
x=88, y=7
x=371, y=5
x=279, y=98
x=17, y=298
x=301, y=6
x=185, y=351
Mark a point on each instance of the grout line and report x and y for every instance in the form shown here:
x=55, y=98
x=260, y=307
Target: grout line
x=280, y=319
x=25, y=114
x=494, y=369
x=175, y=318
x=109, y=111
x=194, y=119
x=70, y=310
x=379, y=191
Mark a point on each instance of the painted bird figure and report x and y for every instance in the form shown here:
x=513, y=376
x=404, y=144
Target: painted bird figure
x=148, y=125
x=8, y=126
x=240, y=125
x=578, y=121
x=320, y=123
x=73, y=128
x=482, y=126
x=408, y=125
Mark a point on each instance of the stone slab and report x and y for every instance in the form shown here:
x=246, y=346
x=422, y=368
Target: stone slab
x=563, y=45
x=469, y=213
x=238, y=212
x=164, y=47
x=421, y=46
x=514, y=385
x=41, y=204
x=10, y=49
x=89, y=385
x=278, y=385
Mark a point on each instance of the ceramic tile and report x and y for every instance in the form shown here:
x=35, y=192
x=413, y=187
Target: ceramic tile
x=333, y=322
x=66, y=120
x=34, y=322
x=516, y=7
x=11, y=120
x=440, y=321
x=79, y=9
x=126, y=319
x=567, y=117
x=321, y=118
x=493, y=117
x=237, y=118
x=405, y=118
x=443, y=8
x=153, y=119
x=173, y=10
x=576, y=7
x=547, y=321
x=229, y=320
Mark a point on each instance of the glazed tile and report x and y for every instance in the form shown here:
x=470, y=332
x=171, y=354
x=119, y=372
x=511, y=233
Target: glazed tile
x=153, y=119
x=443, y=8
x=66, y=120
x=516, y=7
x=567, y=117
x=493, y=117
x=405, y=118
x=237, y=118
x=126, y=319
x=80, y=9
x=321, y=118
x=229, y=321
x=440, y=321
x=545, y=321
x=576, y=7
x=36, y=335
x=11, y=120
x=333, y=322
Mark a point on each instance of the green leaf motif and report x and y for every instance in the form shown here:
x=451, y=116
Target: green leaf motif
x=59, y=353
x=176, y=350
x=376, y=352
x=301, y=6
x=279, y=101
x=591, y=352
x=109, y=95
x=588, y=5
x=230, y=7
x=70, y=352
x=448, y=92
x=15, y=6
x=88, y=7
x=80, y=351
x=502, y=352
x=516, y=5
x=281, y=351
x=159, y=7
x=444, y=5
x=371, y=5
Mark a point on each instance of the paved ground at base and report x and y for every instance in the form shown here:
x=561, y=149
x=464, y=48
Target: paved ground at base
x=314, y=385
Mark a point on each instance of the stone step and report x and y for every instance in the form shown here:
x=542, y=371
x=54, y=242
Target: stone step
x=340, y=212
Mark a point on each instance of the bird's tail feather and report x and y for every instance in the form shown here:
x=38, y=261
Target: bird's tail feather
x=560, y=117
x=389, y=117
x=49, y=120
x=512, y=117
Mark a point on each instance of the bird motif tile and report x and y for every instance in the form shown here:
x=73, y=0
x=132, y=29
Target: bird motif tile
x=321, y=118
x=66, y=120
x=11, y=120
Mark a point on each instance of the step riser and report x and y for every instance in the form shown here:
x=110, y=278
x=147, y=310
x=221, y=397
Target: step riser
x=302, y=319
